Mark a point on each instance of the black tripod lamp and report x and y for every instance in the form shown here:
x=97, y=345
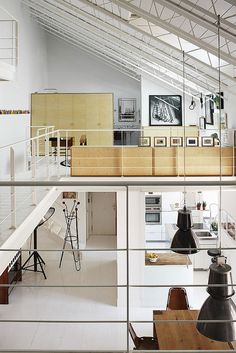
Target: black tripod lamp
x=38, y=261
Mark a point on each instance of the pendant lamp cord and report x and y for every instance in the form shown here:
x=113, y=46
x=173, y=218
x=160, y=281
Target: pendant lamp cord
x=184, y=142
x=220, y=132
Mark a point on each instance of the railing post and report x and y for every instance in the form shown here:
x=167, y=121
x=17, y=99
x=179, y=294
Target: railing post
x=13, y=194
x=33, y=164
x=58, y=151
x=37, y=144
x=47, y=155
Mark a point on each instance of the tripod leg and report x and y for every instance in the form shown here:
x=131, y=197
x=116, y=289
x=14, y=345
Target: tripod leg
x=31, y=255
x=40, y=258
x=40, y=264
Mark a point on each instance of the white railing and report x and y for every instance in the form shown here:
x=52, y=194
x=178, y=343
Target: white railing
x=9, y=41
x=45, y=156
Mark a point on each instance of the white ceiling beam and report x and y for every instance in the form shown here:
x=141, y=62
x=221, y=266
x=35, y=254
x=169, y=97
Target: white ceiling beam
x=231, y=2
x=173, y=29
x=50, y=20
x=209, y=14
x=161, y=76
x=197, y=19
x=144, y=54
x=87, y=41
x=83, y=46
x=129, y=50
x=204, y=68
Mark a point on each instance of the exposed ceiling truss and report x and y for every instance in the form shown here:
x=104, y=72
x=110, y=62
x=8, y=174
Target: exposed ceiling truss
x=136, y=37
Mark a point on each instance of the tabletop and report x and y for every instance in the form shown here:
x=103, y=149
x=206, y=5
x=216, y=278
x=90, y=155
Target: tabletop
x=184, y=336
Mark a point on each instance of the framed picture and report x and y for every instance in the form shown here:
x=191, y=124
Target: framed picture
x=209, y=109
x=165, y=110
x=176, y=141
x=144, y=141
x=127, y=109
x=219, y=100
x=207, y=141
x=192, y=141
x=159, y=141
x=70, y=195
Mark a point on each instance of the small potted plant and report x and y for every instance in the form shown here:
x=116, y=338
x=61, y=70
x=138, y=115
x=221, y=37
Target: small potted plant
x=204, y=205
x=199, y=205
x=214, y=226
x=152, y=256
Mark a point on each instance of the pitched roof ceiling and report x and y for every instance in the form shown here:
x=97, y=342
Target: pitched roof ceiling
x=149, y=37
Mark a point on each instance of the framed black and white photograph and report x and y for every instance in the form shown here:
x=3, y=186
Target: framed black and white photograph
x=165, y=110
x=144, y=141
x=159, y=141
x=209, y=109
x=192, y=141
x=176, y=141
x=207, y=141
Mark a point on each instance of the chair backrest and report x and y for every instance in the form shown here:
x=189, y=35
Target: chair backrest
x=177, y=299
x=134, y=337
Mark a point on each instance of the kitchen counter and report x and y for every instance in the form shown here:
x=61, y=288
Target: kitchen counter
x=201, y=260
x=169, y=259
x=199, y=228
x=170, y=270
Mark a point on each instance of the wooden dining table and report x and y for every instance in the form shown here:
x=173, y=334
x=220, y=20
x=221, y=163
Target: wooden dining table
x=182, y=335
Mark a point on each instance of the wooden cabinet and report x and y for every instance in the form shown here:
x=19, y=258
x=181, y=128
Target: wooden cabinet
x=136, y=161
x=148, y=161
x=100, y=161
x=209, y=161
x=76, y=111
x=164, y=161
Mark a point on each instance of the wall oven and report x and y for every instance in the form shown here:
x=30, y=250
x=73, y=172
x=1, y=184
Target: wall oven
x=153, y=209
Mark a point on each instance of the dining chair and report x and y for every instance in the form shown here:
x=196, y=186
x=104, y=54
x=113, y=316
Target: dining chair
x=177, y=299
x=143, y=343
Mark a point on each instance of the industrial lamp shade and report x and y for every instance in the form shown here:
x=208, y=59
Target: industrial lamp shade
x=219, y=306
x=184, y=220
x=185, y=240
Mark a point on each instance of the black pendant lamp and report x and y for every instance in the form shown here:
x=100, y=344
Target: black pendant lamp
x=185, y=240
x=219, y=305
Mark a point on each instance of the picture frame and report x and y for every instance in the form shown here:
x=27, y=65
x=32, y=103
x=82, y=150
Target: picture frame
x=192, y=141
x=209, y=109
x=159, y=141
x=144, y=141
x=70, y=195
x=127, y=109
x=208, y=141
x=176, y=141
x=165, y=110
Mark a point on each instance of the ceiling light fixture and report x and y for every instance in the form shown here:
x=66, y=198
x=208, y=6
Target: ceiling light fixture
x=218, y=312
x=185, y=240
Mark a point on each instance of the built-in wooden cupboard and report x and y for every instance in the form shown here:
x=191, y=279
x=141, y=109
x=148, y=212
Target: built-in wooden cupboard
x=149, y=161
x=76, y=111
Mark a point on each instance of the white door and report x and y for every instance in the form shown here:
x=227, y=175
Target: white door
x=102, y=213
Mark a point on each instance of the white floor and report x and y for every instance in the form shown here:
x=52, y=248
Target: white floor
x=71, y=304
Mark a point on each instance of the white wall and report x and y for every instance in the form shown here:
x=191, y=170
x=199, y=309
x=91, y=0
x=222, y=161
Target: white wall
x=230, y=108
x=59, y=217
x=13, y=128
x=152, y=87
x=71, y=69
x=32, y=65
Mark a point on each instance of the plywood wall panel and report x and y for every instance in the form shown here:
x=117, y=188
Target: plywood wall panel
x=76, y=111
